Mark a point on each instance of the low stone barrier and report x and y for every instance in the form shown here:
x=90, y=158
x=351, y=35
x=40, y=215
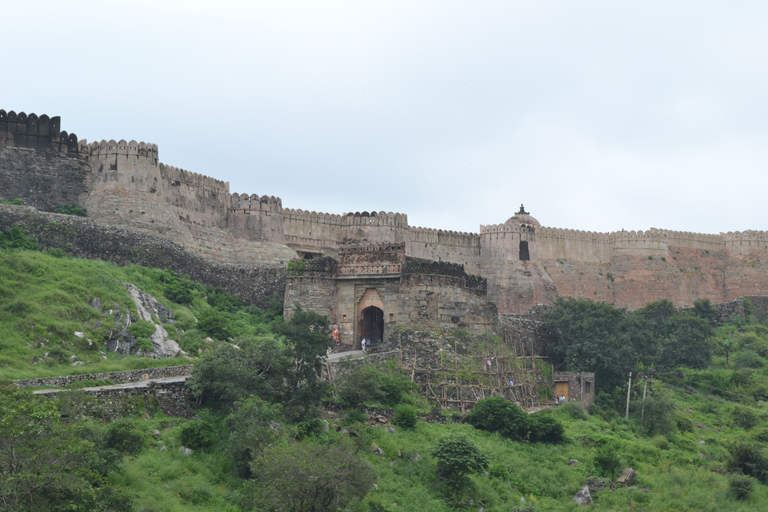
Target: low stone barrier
x=121, y=377
x=110, y=404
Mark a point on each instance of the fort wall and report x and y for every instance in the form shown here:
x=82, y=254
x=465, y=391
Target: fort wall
x=312, y=231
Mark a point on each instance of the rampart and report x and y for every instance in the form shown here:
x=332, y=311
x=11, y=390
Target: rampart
x=83, y=238
x=120, y=377
x=124, y=185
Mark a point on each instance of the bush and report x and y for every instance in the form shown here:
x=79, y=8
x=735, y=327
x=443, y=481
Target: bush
x=71, y=209
x=606, y=461
x=745, y=418
x=124, y=436
x=684, y=425
x=360, y=384
x=14, y=238
x=197, y=435
x=574, y=409
x=748, y=458
x=355, y=416
x=740, y=487
x=499, y=415
x=405, y=417
x=545, y=429
x=457, y=456
x=396, y=387
x=748, y=359
x=142, y=329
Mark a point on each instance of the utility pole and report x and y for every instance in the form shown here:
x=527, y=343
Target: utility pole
x=642, y=408
x=629, y=387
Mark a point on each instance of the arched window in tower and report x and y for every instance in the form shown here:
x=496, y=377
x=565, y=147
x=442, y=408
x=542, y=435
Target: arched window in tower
x=524, y=254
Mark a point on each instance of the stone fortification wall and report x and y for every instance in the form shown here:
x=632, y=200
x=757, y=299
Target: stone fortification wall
x=441, y=295
x=379, y=228
x=121, y=377
x=33, y=132
x=83, y=238
x=251, y=217
x=42, y=179
x=312, y=285
x=110, y=404
x=588, y=246
x=312, y=231
x=745, y=242
x=451, y=246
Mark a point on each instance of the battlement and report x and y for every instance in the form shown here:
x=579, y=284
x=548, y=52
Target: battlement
x=253, y=203
x=121, y=147
x=33, y=132
x=178, y=176
x=399, y=220
x=373, y=248
x=444, y=237
x=311, y=216
x=505, y=228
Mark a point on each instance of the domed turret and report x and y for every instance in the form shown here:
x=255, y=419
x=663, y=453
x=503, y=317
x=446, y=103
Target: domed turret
x=523, y=218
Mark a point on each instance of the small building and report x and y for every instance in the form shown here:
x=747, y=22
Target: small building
x=575, y=386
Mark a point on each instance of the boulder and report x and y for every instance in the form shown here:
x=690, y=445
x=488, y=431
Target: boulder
x=583, y=497
x=573, y=462
x=627, y=477
x=375, y=449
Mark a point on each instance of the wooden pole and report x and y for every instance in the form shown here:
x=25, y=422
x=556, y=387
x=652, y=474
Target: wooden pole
x=642, y=407
x=629, y=387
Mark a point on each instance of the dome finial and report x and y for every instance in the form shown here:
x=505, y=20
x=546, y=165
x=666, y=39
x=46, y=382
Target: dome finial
x=522, y=211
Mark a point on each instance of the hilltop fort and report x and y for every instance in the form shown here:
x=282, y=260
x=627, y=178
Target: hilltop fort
x=369, y=271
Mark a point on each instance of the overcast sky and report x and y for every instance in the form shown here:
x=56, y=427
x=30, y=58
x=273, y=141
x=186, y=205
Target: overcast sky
x=598, y=115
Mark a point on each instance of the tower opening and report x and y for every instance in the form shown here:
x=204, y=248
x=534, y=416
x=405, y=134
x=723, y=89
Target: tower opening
x=372, y=324
x=524, y=255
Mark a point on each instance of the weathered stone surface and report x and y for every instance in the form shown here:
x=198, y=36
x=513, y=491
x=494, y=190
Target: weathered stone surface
x=627, y=477
x=583, y=497
x=573, y=462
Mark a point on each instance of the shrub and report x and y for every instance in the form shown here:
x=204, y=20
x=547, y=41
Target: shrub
x=142, y=329
x=740, y=487
x=499, y=415
x=748, y=458
x=405, y=417
x=71, y=209
x=308, y=428
x=744, y=418
x=355, y=416
x=606, y=461
x=574, y=409
x=124, y=436
x=545, y=429
x=457, y=456
x=684, y=425
x=56, y=252
x=748, y=359
x=360, y=384
x=14, y=238
x=396, y=387
x=197, y=435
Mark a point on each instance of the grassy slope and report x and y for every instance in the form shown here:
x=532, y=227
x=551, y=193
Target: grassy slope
x=44, y=300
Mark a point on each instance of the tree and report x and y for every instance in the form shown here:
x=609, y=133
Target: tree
x=358, y=384
x=457, y=456
x=228, y=373
x=592, y=336
x=40, y=458
x=308, y=337
x=305, y=477
x=497, y=414
x=252, y=426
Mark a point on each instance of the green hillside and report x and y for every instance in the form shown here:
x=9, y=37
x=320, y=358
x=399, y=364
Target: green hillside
x=264, y=438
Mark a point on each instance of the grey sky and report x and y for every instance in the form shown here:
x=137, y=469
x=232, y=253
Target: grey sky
x=598, y=115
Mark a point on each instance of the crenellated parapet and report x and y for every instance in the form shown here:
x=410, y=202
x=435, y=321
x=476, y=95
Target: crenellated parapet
x=444, y=237
x=33, y=132
x=399, y=220
x=312, y=217
x=122, y=150
x=178, y=176
x=254, y=203
x=742, y=242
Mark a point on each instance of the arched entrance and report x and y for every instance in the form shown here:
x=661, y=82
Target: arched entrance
x=372, y=324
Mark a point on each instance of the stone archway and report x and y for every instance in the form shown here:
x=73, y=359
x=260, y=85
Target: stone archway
x=370, y=317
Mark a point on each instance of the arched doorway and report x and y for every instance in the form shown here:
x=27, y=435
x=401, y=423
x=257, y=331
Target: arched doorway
x=372, y=324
